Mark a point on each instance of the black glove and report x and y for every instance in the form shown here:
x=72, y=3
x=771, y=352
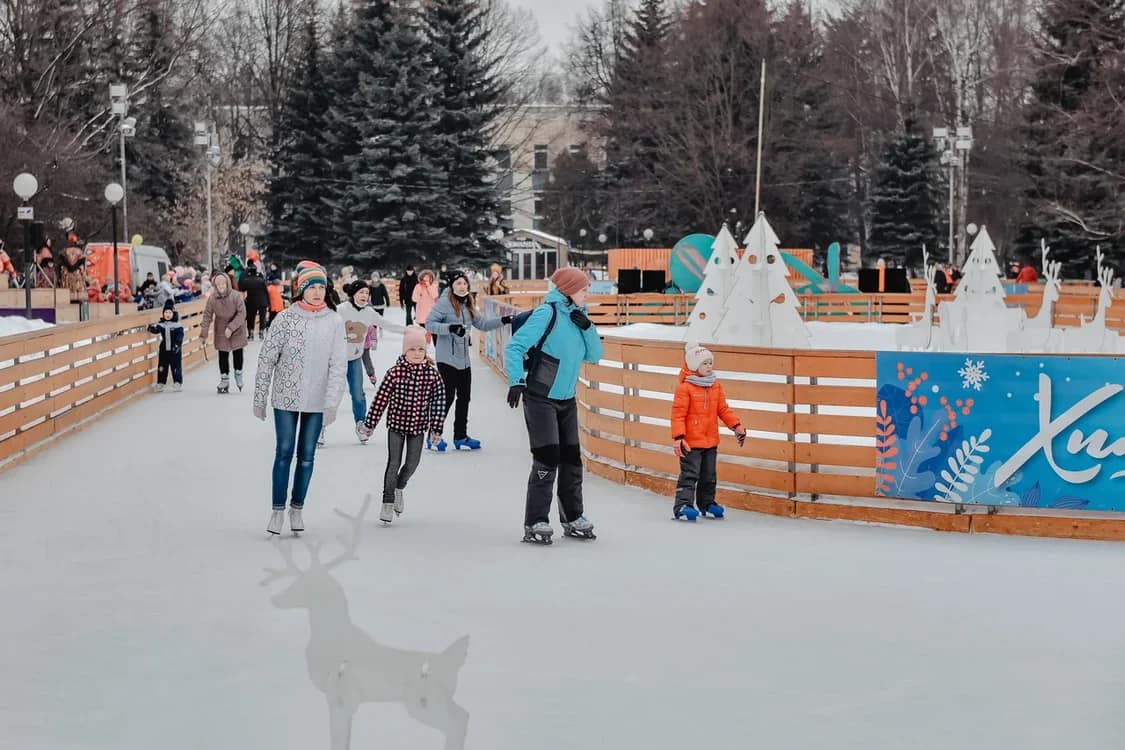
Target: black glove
x=580, y=319
x=515, y=393
x=505, y=320
x=457, y=329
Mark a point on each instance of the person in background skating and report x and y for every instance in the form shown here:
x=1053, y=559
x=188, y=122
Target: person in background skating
x=413, y=397
x=1027, y=274
x=425, y=296
x=380, y=298
x=277, y=301
x=451, y=322
x=228, y=310
x=547, y=388
x=253, y=284
x=406, y=293
x=304, y=358
x=171, y=333
x=496, y=284
x=359, y=318
x=697, y=407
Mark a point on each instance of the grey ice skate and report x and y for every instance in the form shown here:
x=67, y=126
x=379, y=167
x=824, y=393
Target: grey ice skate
x=579, y=528
x=296, y=522
x=539, y=533
x=387, y=514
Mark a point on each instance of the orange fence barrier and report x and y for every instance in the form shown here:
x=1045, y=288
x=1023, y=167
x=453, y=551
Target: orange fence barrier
x=54, y=381
x=810, y=452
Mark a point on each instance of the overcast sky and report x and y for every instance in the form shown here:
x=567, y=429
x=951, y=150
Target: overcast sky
x=557, y=17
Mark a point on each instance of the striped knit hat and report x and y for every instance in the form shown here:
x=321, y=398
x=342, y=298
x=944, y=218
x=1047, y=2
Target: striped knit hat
x=308, y=274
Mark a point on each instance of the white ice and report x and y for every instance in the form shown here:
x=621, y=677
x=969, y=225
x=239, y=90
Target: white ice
x=131, y=556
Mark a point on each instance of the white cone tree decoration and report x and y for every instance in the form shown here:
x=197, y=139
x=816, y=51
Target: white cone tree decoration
x=718, y=281
x=981, y=280
x=762, y=308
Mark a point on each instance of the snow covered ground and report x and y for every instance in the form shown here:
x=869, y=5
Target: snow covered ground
x=10, y=325
x=850, y=336
x=132, y=553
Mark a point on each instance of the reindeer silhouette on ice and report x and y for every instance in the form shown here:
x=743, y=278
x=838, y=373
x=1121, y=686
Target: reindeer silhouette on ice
x=350, y=668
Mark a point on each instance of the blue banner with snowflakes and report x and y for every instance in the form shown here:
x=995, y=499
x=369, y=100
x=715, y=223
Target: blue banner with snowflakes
x=1003, y=430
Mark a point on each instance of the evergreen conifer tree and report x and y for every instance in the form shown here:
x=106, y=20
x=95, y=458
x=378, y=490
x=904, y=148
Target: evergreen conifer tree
x=466, y=98
x=903, y=201
x=1074, y=196
x=301, y=173
x=398, y=200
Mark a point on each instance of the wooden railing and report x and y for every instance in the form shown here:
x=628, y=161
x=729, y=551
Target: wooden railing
x=53, y=381
x=622, y=309
x=810, y=452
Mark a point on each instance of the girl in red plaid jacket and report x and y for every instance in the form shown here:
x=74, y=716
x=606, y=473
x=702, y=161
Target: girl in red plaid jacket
x=413, y=395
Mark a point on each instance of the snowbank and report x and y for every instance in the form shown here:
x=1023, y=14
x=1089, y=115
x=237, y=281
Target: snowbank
x=849, y=336
x=11, y=325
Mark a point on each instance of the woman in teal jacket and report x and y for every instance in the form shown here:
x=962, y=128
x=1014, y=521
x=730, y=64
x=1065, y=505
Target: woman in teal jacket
x=549, y=408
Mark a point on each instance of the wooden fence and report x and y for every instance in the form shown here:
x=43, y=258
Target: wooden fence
x=810, y=451
x=54, y=381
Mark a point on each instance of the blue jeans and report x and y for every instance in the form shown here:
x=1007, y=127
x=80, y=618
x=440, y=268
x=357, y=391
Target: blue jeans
x=355, y=387
x=285, y=425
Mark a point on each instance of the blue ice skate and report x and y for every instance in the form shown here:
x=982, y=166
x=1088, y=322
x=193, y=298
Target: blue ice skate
x=714, y=510
x=686, y=513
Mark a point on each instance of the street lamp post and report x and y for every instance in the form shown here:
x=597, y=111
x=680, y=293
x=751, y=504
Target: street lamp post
x=208, y=140
x=114, y=194
x=127, y=128
x=26, y=186
x=956, y=142
x=244, y=230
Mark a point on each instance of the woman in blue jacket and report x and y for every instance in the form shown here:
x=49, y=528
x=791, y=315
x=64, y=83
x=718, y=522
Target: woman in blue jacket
x=547, y=388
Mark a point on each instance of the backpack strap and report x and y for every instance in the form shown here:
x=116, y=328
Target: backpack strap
x=550, y=327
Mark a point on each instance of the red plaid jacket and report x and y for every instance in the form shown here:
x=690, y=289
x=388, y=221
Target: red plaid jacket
x=413, y=397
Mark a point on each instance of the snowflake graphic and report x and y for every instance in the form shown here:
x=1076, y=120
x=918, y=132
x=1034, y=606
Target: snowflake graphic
x=973, y=374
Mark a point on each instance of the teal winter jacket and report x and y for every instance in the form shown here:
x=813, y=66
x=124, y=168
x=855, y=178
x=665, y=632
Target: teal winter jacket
x=567, y=343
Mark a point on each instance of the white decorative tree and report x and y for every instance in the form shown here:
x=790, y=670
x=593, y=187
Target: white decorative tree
x=981, y=280
x=718, y=281
x=762, y=309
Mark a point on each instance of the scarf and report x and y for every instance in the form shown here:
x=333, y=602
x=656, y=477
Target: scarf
x=701, y=381
x=311, y=307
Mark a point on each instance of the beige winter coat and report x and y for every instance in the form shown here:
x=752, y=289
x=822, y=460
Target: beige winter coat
x=228, y=311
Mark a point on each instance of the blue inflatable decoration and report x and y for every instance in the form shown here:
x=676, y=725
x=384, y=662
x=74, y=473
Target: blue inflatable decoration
x=689, y=261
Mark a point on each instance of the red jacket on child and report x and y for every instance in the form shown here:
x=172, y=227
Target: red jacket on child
x=696, y=411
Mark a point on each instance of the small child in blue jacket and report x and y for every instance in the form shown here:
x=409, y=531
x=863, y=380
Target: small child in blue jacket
x=171, y=333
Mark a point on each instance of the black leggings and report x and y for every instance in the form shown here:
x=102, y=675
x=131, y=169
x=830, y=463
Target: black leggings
x=224, y=361
x=459, y=386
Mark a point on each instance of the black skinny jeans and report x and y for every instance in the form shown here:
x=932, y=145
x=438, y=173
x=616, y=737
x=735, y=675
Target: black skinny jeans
x=459, y=385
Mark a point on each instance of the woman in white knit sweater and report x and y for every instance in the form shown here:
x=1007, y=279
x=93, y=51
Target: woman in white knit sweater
x=360, y=317
x=304, y=358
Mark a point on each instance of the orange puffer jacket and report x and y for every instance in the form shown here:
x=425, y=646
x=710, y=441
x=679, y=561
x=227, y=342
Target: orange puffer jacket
x=696, y=412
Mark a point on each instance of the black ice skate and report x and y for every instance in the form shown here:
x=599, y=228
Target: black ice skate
x=579, y=528
x=540, y=533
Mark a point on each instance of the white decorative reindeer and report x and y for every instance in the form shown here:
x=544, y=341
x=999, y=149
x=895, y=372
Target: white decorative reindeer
x=350, y=668
x=1039, y=333
x=1093, y=336
x=920, y=333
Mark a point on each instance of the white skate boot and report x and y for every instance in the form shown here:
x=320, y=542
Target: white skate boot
x=238, y=379
x=158, y=388
x=361, y=432
x=387, y=514
x=296, y=522
x=277, y=519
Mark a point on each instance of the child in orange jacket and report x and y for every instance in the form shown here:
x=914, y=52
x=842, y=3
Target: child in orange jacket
x=696, y=410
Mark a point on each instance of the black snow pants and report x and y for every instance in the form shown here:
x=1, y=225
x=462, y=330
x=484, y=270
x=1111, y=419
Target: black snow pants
x=697, y=479
x=170, y=360
x=552, y=431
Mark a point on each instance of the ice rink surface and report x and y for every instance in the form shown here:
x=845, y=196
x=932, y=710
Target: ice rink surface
x=134, y=618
